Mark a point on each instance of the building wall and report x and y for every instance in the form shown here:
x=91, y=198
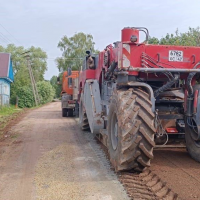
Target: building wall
x=4, y=92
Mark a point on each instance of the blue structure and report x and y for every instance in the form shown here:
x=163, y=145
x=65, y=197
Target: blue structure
x=6, y=78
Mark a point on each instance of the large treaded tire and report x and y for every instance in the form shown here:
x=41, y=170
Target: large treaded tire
x=133, y=111
x=193, y=146
x=64, y=112
x=83, y=120
x=70, y=113
x=85, y=124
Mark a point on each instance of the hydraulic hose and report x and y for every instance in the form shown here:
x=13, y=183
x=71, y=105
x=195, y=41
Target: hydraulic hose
x=189, y=80
x=110, y=70
x=167, y=85
x=189, y=110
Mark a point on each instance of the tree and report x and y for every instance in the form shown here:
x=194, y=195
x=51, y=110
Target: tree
x=46, y=91
x=73, y=50
x=38, y=62
x=37, y=57
x=57, y=87
x=190, y=38
x=153, y=40
x=39, y=66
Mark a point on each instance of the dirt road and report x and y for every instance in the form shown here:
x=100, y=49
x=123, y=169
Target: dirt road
x=179, y=171
x=47, y=157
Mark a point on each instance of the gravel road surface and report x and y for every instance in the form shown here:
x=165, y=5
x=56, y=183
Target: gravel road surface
x=47, y=157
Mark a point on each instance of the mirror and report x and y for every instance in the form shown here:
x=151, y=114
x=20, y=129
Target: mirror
x=87, y=52
x=58, y=80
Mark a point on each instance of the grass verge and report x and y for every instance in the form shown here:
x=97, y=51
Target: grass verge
x=8, y=117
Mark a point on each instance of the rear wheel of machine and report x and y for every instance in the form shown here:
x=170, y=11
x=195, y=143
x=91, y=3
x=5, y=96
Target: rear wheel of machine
x=130, y=130
x=193, y=145
x=70, y=112
x=191, y=136
x=64, y=112
x=83, y=120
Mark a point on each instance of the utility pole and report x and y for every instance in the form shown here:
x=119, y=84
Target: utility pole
x=34, y=87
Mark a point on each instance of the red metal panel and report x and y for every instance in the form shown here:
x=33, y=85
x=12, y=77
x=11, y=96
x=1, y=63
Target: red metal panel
x=127, y=33
x=191, y=55
x=129, y=54
x=136, y=52
x=100, y=66
x=87, y=74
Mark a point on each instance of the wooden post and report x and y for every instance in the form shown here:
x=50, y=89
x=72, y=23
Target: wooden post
x=17, y=99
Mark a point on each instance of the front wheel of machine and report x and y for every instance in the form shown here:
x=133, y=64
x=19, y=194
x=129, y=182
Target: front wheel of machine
x=130, y=130
x=192, y=145
x=83, y=120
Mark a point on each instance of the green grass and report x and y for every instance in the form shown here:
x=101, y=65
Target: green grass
x=7, y=113
x=8, y=110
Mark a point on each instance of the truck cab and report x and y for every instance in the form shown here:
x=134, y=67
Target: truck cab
x=69, y=94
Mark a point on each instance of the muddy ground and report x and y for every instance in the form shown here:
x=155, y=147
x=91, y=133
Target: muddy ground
x=47, y=157
x=50, y=158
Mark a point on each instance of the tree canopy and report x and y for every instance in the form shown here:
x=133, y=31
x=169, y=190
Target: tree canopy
x=189, y=38
x=57, y=87
x=38, y=63
x=22, y=84
x=73, y=50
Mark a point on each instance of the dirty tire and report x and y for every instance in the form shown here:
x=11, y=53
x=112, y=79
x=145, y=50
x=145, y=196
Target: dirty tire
x=131, y=110
x=83, y=120
x=193, y=146
x=85, y=124
x=70, y=112
x=64, y=112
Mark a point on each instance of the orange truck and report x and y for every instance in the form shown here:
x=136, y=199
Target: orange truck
x=69, y=94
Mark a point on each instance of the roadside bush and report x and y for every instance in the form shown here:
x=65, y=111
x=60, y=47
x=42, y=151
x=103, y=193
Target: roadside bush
x=46, y=91
x=25, y=94
x=26, y=98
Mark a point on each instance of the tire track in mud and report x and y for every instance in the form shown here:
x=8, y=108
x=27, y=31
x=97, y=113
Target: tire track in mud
x=144, y=186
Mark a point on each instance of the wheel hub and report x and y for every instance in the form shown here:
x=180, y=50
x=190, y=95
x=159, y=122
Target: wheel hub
x=114, y=133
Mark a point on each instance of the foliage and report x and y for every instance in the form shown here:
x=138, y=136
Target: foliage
x=57, y=87
x=46, y=91
x=38, y=62
x=190, y=38
x=22, y=83
x=153, y=40
x=25, y=94
x=7, y=114
x=37, y=57
x=26, y=98
x=73, y=50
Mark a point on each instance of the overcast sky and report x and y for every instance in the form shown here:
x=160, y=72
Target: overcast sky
x=43, y=23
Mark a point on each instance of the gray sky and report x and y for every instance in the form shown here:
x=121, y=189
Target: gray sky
x=42, y=23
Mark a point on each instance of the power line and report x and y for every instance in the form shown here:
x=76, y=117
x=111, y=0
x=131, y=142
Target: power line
x=10, y=33
x=2, y=39
x=5, y=38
